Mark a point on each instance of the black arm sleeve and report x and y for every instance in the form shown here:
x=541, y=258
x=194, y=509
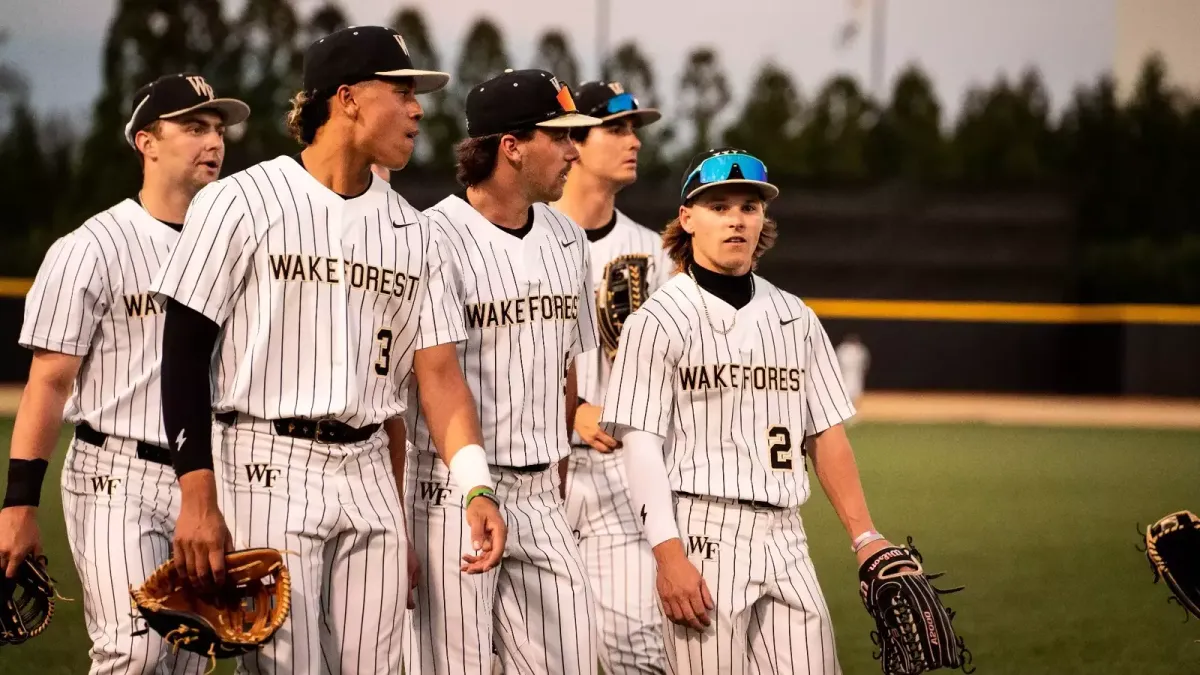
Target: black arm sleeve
x=188, y=341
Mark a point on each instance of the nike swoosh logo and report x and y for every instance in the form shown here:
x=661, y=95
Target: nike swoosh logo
x=567, y=243
x=784, y=322
x=397, y=226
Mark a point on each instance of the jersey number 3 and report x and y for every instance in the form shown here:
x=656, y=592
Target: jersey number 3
x=384, y=363
x=779, y=444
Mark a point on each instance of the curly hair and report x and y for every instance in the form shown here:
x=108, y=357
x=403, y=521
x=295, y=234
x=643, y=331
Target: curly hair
x=678, y=243
x=309, y=113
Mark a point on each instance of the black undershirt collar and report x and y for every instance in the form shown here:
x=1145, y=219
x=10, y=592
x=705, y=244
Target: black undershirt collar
x=603, y=231
x=519, y=233
x=736, y=291
x=347, y=197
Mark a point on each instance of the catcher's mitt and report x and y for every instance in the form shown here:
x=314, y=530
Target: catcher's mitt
x=1173, y=547
x=914, y=632
x=26, y=601
x=236, y=618
x=624, y=286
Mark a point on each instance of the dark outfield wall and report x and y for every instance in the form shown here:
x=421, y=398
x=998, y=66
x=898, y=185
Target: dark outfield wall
x=1100, y=359
x=1108, y=359
x=893, y=244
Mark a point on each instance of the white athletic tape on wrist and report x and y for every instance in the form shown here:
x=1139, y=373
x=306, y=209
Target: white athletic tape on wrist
x=469, y=469
x=649, y=487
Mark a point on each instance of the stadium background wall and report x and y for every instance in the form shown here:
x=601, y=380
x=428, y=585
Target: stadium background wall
x=950, y=292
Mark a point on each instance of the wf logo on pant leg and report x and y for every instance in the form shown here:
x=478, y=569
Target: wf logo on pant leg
x=434, y=493
x=264, y=475
x=705, y=546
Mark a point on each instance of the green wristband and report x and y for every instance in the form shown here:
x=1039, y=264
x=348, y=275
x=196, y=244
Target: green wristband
x=482, y=491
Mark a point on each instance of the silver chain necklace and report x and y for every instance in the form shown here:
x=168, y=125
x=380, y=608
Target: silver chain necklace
x=704, y=303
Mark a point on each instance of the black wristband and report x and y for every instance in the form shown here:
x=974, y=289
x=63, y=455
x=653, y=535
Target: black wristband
x=25, y=478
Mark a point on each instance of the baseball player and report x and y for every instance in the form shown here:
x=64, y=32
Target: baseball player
x=318, y=291
x=854, y=360
x=628, y=263
x=720, y=383
x=519, y=275
x=96, y=334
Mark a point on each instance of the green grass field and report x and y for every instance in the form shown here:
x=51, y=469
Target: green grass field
x=1039, y=524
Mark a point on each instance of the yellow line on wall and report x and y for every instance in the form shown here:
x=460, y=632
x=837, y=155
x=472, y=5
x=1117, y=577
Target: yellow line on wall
x=14, y=288
x=1003, y=312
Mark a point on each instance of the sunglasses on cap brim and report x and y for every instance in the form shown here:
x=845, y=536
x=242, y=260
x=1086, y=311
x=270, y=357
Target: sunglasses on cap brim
x=732, y=168
x=626, y=104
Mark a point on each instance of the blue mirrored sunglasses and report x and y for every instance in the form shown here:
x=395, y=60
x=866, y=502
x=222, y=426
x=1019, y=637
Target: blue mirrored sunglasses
x=621, y=103
x=721, y=168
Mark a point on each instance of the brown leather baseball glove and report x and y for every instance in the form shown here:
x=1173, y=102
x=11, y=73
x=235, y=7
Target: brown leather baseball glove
x=237, y=618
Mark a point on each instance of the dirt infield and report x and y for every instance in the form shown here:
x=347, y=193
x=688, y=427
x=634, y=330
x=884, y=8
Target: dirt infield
x=923, y=407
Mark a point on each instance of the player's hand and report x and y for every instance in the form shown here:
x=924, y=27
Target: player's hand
x=488, y=535
x=683, y=590
x=587, y=425
x=19, y=537
x=201, y=537
x=870, y=550
x=414, y=571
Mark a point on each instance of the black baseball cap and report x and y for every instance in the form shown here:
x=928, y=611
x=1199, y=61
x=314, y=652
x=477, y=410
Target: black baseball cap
x=517, y=100
x=609, y=101
x=359, y=53
x=174, y=95
x=725, y=166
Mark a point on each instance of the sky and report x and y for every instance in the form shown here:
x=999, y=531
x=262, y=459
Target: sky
x=57, y=43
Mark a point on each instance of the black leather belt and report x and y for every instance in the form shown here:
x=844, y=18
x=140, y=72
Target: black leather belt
x=321, y=431
x=744, y=502
x=532, y=468
x=146, y=451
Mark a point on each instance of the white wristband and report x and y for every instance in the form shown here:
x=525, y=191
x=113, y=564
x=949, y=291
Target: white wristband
x=865, y=538
x=469, y=469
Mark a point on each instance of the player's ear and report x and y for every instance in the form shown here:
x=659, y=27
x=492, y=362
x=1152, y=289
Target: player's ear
x=145, y=142
x=344, y=99
x=685, y=220
x=510, y=148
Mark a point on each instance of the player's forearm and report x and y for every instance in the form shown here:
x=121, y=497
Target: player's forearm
x=40, y=413
x=571, y=392
x=188, y=341
x=649, y=486
x=833, y=461
x=450, y=415
x=35, y=432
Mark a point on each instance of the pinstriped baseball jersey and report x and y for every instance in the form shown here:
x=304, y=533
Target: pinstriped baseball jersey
x=527, y=308
x=319, y=295
x=90, y=300
x=733, y=408
x=627, y=238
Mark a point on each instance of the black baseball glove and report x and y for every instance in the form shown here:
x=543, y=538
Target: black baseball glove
x=1173, y=547
x=624, y=286
x=26, y=601
x=913, y=631
x=233, y=619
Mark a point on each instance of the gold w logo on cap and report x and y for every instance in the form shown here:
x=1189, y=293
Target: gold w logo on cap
x=201, y=87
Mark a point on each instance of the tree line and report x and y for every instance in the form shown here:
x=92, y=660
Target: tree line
x=1129, y=163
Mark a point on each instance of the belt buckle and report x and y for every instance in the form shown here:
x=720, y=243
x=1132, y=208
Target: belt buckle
x=321, y=425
